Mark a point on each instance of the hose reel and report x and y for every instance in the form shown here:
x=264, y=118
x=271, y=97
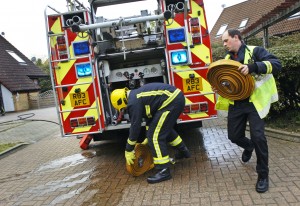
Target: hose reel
x=229, y=82
x=143, y=160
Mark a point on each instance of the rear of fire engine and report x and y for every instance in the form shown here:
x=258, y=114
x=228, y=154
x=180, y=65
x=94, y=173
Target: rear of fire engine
x=90, y=56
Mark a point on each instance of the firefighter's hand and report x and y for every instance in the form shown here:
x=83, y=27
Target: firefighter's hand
x=130, y=156
x=145, y=142
x=244, y=69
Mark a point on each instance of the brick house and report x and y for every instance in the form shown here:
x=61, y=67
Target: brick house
x=18, y=78
x=260, y=18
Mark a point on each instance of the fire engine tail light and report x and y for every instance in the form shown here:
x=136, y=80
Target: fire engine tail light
x=195, y=30
x=197, y=107
x=204, y=107
x=74, y=123
x=82, y=121
x=62, y=47
x=90, y=120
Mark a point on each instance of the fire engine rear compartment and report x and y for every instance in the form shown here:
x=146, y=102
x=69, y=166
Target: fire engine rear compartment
x=125, y=54
x=141, y=66
x=129, y=55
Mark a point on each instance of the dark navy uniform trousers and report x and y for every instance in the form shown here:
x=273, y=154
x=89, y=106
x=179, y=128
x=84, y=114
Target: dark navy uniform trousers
x=238, y=115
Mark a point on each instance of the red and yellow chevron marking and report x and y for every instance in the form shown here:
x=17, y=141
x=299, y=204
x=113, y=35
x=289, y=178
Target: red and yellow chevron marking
x=200, y=58
x=66, y=74
x=200, y=53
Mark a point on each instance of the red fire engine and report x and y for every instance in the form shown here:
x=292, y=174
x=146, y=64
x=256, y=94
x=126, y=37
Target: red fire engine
x=90, y=56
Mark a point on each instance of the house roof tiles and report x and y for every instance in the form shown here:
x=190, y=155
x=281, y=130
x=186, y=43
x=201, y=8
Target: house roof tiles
x=15, y=76
x=253, y=10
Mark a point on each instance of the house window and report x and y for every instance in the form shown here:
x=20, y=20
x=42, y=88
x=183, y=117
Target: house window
x=294, y=16
x=243, y=23
x=16, y=57
x=222, y=29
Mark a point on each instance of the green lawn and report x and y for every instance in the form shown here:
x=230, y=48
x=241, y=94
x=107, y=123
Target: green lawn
x=4, y=147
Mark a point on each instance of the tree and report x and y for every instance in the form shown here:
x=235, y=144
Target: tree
x=45, y=83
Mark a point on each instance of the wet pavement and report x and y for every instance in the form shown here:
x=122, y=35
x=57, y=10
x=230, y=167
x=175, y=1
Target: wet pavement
x=52, y=170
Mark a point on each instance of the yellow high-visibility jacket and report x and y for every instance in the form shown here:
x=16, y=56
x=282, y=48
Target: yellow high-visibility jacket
x=265, y=91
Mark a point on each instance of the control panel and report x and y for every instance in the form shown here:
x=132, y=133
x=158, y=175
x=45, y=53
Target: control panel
x=145, y=71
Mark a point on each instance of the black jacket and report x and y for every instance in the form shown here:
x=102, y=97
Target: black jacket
x=256, y=65
x=153, y=95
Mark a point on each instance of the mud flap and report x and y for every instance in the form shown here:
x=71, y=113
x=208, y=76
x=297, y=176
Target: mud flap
x=85, y=141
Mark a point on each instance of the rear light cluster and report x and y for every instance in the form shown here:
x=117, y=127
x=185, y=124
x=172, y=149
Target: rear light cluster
x=197, y=107
x=82, y=121
x=195, y=30
x=62, y=47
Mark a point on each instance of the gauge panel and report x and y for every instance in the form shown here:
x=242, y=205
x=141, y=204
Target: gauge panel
x=153, y=70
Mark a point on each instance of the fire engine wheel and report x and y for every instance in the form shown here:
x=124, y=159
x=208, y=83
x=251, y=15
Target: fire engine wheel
x=229, y=82
x=143, y=160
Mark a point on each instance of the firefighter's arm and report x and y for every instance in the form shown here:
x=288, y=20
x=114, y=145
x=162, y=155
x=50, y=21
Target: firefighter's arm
x=135, y=119
x=146, y=139
x=266, y=63
x=135, y=115
x=147, y=128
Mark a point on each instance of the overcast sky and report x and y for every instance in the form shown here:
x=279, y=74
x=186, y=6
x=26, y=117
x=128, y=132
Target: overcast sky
x=23, y=21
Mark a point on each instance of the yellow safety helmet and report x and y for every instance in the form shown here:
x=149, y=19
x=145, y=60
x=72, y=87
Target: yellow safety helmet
x=118, y=98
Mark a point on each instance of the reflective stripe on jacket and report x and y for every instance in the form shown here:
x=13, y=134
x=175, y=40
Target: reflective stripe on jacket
x=144, y=102
x=265, y=91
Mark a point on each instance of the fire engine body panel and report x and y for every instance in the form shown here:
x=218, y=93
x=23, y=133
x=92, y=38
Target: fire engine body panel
x=90, y=56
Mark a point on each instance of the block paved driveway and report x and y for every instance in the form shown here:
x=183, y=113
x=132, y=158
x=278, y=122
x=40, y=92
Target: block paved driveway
x=54, y=171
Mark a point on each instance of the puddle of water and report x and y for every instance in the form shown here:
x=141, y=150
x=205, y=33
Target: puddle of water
x=59, y=185
x=69, y=181
x=77, y=180
x=66, y=162
x=66, y=196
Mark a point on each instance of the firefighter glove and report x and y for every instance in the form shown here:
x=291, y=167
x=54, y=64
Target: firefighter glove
x=145, y=142
x=130, y=156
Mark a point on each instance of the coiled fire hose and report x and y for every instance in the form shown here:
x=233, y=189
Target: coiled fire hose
x=229, y=82
x=143, y=160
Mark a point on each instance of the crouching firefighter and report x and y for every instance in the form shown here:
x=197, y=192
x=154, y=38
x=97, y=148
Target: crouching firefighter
x=160, y=105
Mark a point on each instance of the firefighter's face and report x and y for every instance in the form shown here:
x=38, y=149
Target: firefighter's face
x=231, y=44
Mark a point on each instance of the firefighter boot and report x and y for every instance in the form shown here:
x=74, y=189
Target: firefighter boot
x=246, y=156
x=161, y=175
x=262, y=184
x=183, y=152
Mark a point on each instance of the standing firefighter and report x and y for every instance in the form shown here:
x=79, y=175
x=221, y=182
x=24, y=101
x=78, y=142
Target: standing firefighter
x=261, y=65
x=160, y=104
